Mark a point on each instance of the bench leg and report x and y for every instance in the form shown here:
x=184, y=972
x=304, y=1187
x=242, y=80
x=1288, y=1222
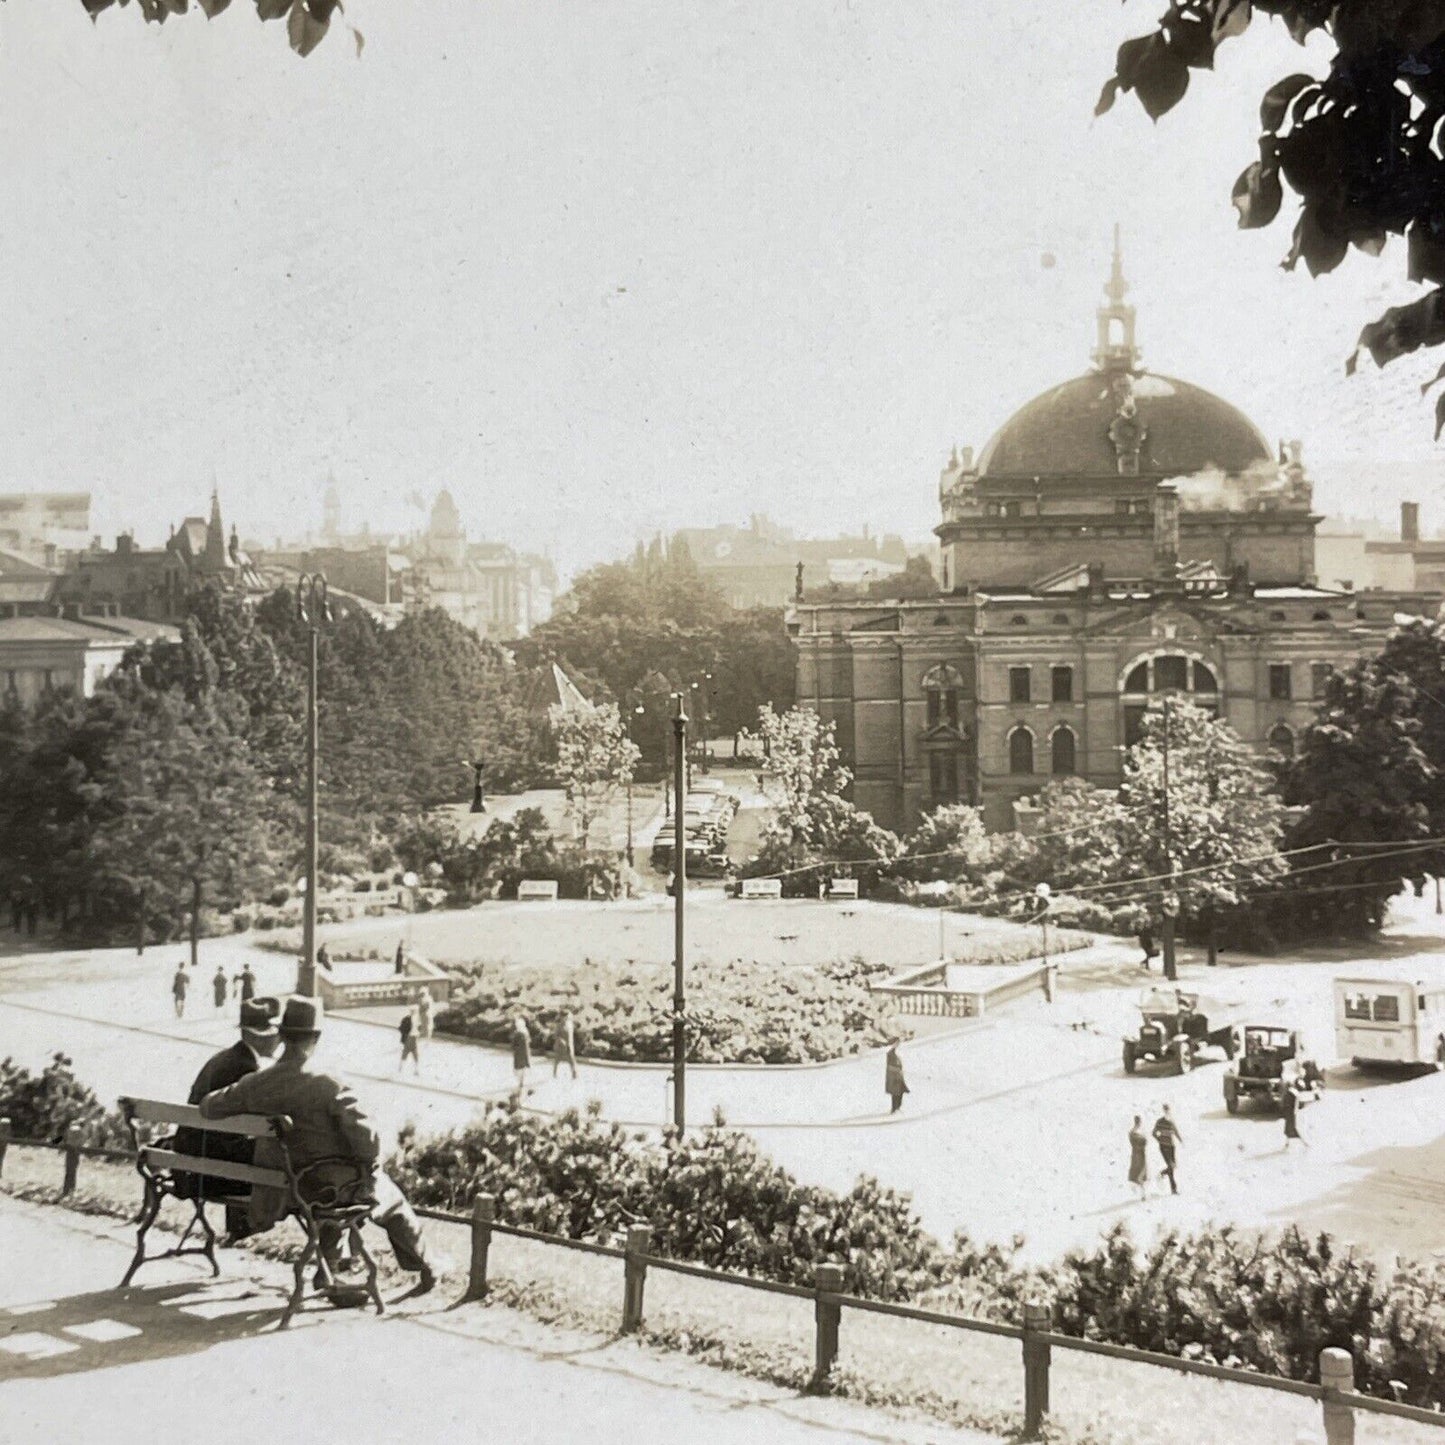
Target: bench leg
x=359, y=1245
x=148, y=1213
x=209, y=1248
x=298, y=1292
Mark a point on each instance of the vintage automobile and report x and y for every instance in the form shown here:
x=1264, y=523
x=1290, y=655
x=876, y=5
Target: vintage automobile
x=1174, y=1026
x=1271, y=1059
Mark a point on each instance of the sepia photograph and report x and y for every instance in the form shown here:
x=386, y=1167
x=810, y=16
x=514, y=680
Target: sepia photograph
x=722, y=722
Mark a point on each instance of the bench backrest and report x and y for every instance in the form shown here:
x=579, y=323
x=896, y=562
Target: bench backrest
x=249, y=1126
x=762, y=888
x=842, y=888
x=544, y=889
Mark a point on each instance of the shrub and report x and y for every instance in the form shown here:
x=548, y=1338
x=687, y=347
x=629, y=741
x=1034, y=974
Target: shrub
x=738, y=1012
x=44, y=1106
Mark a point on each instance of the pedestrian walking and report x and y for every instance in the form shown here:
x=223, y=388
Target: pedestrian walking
x=220, y=987
x=1168, y=1138
x=401, y=957
x=407, y=1028
x=180, y=985
x=564, y=1044
x=1139, y=1157
x=894, y=1084
x=248, y=984
x=323, y=957
x=521, y=1053
x=1291, y=1102
x=424, y=1013
x=1146, y=942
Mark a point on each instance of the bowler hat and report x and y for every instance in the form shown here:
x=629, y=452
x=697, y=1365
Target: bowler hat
x=259, y=1015
x=301, y=1018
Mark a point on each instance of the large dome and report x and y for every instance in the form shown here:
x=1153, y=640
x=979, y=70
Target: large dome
x=1067, y=431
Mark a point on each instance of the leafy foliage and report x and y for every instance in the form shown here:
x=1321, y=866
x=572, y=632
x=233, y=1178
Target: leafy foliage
x=594, y=757
x=1358, y=146
x=307, y=21
x=44, y=1106
x=737, y=1012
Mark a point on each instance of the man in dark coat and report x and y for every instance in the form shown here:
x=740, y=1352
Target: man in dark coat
x=331, y=1141
x=894, y=1084
x=258, y=1041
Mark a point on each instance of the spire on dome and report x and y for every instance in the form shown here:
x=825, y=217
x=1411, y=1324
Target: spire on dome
x=1116, y=350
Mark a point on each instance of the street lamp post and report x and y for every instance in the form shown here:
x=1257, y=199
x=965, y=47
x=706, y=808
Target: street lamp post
x=312, y=608
x=1171, y=903
x=479, y=804
x=1043, y=895
x=679, y=876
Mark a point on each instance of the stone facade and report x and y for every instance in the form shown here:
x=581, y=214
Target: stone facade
x=1124, y=538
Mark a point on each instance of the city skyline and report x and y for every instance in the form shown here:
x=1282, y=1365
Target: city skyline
x=598, y=296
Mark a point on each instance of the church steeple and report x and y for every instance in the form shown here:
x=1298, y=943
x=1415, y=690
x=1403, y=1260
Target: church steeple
x=1116, y=350
x=215, y=534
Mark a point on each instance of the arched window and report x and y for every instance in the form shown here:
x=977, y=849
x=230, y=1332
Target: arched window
x=1165, y=673
x=1064, y=749
x=1018, y=620
x=1319, y=615
x=942, y=688
x=1276, y=616
x=1061, y=619
x=1281, y=740
x=1020, y=751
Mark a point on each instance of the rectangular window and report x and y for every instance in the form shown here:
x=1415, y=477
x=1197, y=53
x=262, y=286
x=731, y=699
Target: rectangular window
x=1320, y=674
x=1063, y=683
x=1387, y=1009
x=943, y=777
x=950, y=706
x=1013, y=509
x=1133, y=725
x=1281, y=687
x=1019, y=684
x=1357, y=1006
x=933, y=696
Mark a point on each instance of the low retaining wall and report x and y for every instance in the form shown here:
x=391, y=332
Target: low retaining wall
x=421, y=976
x=928, y=991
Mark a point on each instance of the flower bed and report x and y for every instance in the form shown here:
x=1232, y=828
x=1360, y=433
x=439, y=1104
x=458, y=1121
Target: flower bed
x=737, y=1012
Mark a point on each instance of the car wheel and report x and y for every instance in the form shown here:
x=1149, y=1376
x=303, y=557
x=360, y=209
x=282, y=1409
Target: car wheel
x=1129, y=1058
x=1231, y=1097
x=1183, y=1056
x=1439, y=1054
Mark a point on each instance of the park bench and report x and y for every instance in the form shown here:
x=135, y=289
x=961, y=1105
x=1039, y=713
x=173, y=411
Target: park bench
x=842, y=888
x=168, y=1173
x=762, y=888
x=537, y=890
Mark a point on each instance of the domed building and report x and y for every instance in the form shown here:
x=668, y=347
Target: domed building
x=1123, y=536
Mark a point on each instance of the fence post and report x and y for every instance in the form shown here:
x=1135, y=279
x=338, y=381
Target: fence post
x=4, y=1141
x=484, y=1212
x=1037, y=1355
x=828, y=1279
x=639, y=1241
x=72, y=1159
x=1337, y=1375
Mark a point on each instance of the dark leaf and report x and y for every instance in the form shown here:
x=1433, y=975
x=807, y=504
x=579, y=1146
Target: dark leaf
x=1107, y=96
x=94, y=7
x=1426, y=252
x=213, y=7
x=1257, y=196
x=1434, y=381
x=1439, y=415
x=305, y=29
x=1279, y=97
x=360, y=39
x=1320, y=246
x=1403, y=329
x=1130, y=57
x=1161, y=78
x=1370, y=240
x=1231, y=17
x=1190, y=39
x=272, y=9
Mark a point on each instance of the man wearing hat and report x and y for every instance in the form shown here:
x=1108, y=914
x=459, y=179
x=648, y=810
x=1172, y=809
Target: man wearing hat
x=258, y=1042
x=329, y=1130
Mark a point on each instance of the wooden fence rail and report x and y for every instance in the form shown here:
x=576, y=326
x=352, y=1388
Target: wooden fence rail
x=1339, y=1400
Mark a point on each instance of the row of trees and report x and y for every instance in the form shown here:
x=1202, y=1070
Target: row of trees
x=178, y=785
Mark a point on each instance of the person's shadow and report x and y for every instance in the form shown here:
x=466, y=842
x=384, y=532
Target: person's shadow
x=124, y=1326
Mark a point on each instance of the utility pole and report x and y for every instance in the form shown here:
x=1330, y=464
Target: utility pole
x=312, y=608
x=679, y=883
x=1170, y=907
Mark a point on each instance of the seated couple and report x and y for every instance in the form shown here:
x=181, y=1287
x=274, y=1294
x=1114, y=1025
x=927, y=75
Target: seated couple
x=332, y=1145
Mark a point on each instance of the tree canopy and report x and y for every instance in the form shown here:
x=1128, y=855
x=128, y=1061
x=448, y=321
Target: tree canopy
x=1359, y=147
x=307, y=21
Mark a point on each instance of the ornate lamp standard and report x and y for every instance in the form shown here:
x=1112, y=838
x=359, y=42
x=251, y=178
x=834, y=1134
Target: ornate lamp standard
x=313, y=608
x=478, y=803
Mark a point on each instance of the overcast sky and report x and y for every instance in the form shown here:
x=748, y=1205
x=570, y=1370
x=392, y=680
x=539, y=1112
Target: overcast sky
x=605, y=266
